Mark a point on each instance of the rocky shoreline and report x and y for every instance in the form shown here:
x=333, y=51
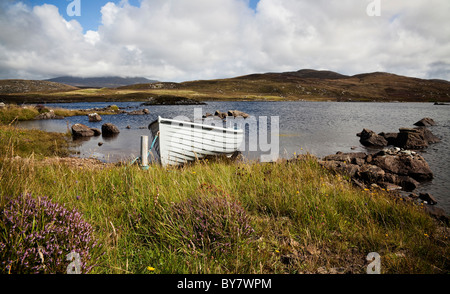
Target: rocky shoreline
x=397, y=167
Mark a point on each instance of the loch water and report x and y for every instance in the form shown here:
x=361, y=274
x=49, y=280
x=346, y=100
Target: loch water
x=320, y=128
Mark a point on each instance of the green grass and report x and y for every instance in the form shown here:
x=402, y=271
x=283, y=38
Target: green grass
x=304, y=218
x=23, y=143
x=12, y=113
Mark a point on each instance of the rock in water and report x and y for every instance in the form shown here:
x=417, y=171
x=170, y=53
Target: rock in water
x=371, y=139
x=139, y=112
x=428, y=136
x=416, y=138
x=109, y=129
x=94, y=117
x=220, y=114
x=410, y=139
x=391, y=138
x=236, y=113
x=96, y=131
x=80, y=130
x=425, y=122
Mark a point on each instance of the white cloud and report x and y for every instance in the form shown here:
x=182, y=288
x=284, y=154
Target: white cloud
x=202, y=39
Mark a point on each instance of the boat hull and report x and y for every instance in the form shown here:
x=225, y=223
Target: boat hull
x=179, y=142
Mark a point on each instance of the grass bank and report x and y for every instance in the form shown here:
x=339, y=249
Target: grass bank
x=11, y=112
x=35, y=143
x=221, y=217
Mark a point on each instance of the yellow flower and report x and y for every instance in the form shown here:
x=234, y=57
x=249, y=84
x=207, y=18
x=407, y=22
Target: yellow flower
x=193, y=172
x=276, y=251
x=149, y=268
x=298, y=192
x=426, y=235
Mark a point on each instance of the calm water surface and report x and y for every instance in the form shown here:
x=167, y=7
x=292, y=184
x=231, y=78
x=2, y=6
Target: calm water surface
x=320, y=128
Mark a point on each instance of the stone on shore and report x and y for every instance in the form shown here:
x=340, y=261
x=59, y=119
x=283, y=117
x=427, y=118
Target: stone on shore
x=390, y=187
x=371, y=173
x=428, y=198
x=48, y=115
x=389, y=168
x=349, y=169
x=109, y=129
x=413, y=166
x=438, y=213
x=346, y=157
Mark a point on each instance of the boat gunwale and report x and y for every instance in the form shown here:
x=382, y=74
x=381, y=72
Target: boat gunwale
x=199, y=125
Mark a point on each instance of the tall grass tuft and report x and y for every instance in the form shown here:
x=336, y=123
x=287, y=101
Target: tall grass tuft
x=203, y=222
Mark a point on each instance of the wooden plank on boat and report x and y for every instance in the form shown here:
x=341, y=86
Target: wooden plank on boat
x=182, y=141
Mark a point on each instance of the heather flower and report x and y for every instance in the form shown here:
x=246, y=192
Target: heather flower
x=39, y=234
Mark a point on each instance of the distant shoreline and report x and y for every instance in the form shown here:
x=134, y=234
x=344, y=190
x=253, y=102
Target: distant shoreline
x=144, y=97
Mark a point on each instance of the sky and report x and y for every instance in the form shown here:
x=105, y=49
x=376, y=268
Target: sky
x=183, y=40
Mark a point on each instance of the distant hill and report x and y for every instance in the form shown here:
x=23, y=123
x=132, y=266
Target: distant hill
x=311, y=84
x=305, y=84
x=316, y=74
x=100, y=82
x=32, y=86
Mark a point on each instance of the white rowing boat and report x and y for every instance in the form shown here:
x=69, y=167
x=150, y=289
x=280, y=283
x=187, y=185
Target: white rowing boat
x=178, y=142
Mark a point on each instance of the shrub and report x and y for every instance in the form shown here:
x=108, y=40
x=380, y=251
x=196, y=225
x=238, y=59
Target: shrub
x=212, y=222
x=205, y=222
x=37, y=235
x=113, y=108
